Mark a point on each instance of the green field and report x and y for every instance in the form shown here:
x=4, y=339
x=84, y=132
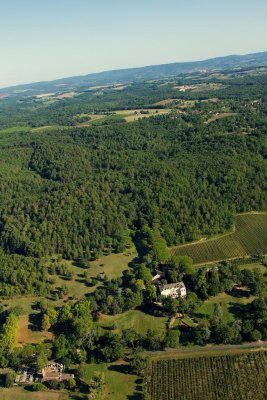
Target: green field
x=248, y=239
x=118, y=384
x=230, y=304
x=226, y=377
x=135, y=319
x=111, y=265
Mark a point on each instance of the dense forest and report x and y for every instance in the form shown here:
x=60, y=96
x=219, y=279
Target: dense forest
x=83, y=190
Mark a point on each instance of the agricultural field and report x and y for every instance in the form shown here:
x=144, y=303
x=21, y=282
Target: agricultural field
x=134, y=115
x=229, y=377
x=248, y=239
x=126, y=115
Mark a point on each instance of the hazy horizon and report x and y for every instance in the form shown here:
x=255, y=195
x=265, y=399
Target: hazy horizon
x=129, y=67
x=47, y=41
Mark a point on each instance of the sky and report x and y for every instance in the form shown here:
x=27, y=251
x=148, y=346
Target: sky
x=50, y=39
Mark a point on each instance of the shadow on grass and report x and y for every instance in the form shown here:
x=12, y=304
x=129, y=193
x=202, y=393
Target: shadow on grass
x=75, y=396
x=121, y=368
x=200, y=315
x=34, y=322
x=239, y=293
x=237, y=309
x=124, y=369
x=138, y=391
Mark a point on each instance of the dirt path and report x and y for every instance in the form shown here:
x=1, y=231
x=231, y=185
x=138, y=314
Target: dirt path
x=199, y=351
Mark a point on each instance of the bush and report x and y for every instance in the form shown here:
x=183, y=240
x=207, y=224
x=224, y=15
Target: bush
x=9, y=379
x=38, y=387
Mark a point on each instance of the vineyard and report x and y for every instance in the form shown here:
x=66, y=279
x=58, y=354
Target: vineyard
x=229, y=377
x=249, y=239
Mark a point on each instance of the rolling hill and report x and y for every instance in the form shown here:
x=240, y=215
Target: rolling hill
x=120, y=76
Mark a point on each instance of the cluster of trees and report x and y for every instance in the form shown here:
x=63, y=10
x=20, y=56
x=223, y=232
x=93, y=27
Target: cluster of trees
x=250, y=326
x=8, y=337
x=215, y=280
x=254, y=320
x=22, y=275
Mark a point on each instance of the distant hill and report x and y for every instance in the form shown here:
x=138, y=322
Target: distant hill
x=233, y=62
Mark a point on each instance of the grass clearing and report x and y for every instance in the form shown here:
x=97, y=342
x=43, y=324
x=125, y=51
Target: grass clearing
x=252, y=266
x=15, y=129
x=248, y=239
x=135, y=115
x=219, y=116
x=231, y=304
x=114, y=264
x=119, y=384
x=165, y=102
x=111, y=265
x=127, y=115
x=28, y=336
x=135, y=319
x=48, y=128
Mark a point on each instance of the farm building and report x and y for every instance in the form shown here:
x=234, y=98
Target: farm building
x=25, y=376
x=159, y=275
x=173, y=290
x=54, y=372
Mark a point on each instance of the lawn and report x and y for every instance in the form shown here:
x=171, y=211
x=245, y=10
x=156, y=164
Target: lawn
x=230, y=303
x=248, y=239
x=252, y=266
x=111, y=265
x=26, y=335
x=119, y=384
x=135, y=319
x=114, y=264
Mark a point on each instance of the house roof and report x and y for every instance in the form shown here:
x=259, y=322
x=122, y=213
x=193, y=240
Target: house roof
x=177, y=285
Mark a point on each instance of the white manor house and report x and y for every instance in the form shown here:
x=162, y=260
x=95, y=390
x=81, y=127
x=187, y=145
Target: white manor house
x=173, y=290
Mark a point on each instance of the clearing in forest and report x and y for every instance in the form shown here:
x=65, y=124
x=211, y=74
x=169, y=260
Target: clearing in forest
x=231, y=377
x=248, y=239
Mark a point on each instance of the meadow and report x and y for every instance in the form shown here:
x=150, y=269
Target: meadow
x=119, y=384
x=248, y=239
x=135, y=319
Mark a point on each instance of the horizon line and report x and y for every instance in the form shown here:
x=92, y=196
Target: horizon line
x=127, y=68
